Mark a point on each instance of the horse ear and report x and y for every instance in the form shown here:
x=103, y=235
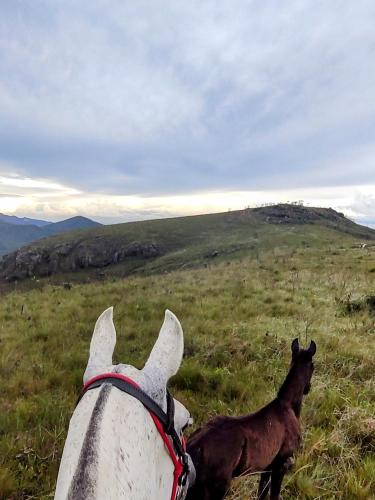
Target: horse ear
x=102, y=345
x=295, y=347
x=312, y=348
x=166, y=355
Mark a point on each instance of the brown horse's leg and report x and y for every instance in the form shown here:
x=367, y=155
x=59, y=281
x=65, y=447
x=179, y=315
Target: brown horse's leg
x=277, y=475
x=264, y=484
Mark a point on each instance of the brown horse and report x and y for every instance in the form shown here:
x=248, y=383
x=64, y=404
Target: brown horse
x=263, y=441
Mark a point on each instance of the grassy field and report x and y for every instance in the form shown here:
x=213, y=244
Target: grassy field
x=239, y=317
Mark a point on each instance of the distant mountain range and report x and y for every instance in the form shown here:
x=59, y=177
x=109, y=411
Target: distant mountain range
x=23, y=221
x=16, y=232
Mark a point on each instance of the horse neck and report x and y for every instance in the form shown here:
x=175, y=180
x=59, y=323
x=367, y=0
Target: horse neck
x=291, y=391
x=113, y=450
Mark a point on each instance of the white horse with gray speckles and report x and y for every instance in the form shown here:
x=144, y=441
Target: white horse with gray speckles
x=113, y=449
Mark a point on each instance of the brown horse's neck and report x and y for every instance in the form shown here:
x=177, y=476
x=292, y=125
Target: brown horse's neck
x=291, y=391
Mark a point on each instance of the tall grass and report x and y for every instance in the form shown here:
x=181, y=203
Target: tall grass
x=239, y=318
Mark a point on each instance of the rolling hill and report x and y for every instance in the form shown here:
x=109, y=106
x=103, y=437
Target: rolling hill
x=72, y=224
x=166, y=244
x=16, y=232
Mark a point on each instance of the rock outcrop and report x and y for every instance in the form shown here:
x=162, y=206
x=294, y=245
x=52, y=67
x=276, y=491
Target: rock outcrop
x=298, y=214
x=71, y=256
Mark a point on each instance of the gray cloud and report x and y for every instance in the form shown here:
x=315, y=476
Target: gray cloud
x=149, y=99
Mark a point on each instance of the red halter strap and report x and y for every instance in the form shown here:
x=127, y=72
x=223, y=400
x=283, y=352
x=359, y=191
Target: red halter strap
x=179, y=461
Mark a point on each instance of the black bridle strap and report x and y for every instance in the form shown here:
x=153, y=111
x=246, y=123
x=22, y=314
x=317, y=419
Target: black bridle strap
x=166, y=419
x=170, y=413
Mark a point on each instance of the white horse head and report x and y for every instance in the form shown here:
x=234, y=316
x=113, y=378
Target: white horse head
x=113, y=449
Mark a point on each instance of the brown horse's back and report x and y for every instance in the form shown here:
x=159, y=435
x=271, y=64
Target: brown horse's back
x=210, y=444
x=265, y=432
x=234, y=445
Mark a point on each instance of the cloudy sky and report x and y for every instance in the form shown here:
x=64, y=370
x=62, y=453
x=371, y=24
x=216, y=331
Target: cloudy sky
x=122, y=110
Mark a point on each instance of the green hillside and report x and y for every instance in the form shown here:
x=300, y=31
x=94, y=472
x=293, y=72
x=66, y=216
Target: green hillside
x=163, y=245
x=239, y=317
